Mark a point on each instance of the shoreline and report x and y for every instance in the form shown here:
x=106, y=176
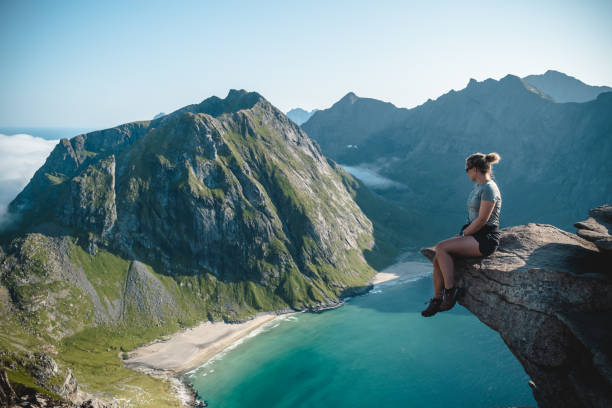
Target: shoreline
x=171, y=357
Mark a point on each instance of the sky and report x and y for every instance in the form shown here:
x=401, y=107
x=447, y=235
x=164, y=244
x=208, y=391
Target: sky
x=97, y=64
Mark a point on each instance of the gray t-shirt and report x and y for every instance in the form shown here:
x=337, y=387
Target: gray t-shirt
x=487, y=192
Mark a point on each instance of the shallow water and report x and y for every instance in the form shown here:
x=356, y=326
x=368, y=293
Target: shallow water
x=376, y=350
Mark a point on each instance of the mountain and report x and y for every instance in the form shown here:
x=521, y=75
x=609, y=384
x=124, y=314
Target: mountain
x=349, y=122
x=554, y=166
x=565, y=88
x=219, y=210
x=159, y=115
x=299, y=115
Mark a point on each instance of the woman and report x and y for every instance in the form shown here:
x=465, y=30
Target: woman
x=479, y=237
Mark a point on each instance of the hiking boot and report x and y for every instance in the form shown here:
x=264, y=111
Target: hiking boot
x=449, y=298
x=433, y=308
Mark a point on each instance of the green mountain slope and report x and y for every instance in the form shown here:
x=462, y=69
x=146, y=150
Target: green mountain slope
x=219, y=210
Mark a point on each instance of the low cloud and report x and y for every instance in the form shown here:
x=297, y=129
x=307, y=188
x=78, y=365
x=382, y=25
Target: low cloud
x=371, y=178
x=20, y=156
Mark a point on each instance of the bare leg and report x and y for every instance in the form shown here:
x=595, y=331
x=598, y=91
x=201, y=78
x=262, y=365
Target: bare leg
x=438, y=281
x=461, y=246
x=446, y=265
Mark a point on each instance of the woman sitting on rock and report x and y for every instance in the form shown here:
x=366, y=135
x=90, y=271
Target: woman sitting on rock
x=479, y=237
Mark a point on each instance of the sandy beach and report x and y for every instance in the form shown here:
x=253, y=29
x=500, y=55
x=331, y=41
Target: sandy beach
x=193, y=346
x=382, y=277
x=169, y=358
x=402, y=270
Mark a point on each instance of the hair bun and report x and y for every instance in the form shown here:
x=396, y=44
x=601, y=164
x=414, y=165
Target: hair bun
x=492, y=158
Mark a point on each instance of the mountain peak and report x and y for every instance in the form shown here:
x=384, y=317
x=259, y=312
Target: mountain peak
x=558, y=74
x=236, y=99
x=565, y=88
x=350, y=98
x=510, y=79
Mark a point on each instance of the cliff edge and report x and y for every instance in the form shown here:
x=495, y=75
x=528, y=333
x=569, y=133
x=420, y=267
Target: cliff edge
x=549, y=295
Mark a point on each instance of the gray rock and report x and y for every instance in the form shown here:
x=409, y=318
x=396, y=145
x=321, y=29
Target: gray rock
x=597, y=228
x=592, y=225
x=549, y=295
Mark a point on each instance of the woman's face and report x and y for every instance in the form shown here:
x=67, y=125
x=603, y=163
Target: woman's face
x=471, y=172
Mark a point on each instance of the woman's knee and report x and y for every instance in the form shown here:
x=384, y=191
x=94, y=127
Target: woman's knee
x=440, y=247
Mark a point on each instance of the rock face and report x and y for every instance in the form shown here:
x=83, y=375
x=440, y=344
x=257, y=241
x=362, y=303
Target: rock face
x=597, y=228
x=549, y=295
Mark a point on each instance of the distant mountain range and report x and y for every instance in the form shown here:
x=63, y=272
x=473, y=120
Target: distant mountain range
x=564, y=88
x=299, y=115
x=555, y=156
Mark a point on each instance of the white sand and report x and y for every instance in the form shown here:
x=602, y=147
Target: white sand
x=192, y=347
x=403, y=270
x=381, y=277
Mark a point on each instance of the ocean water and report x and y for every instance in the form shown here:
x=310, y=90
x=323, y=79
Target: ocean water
x=376, y=351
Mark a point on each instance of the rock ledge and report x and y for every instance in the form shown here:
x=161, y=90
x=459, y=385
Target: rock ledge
x=549, y=295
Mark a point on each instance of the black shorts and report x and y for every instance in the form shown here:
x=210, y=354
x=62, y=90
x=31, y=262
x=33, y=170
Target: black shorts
x=487, y=237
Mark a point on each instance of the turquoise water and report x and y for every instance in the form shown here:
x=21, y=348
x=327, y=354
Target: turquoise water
x=375, y=351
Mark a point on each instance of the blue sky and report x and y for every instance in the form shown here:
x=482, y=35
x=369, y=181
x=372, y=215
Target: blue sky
x=98, y=64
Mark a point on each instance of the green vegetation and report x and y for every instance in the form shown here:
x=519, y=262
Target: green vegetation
x=95, y=354
x=106, y=272
x=22, y=381
x=57, y=178
x=278, y=216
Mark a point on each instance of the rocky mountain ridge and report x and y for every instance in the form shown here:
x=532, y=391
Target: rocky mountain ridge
x=554, y=155
x=564, y=88
x=227, y=173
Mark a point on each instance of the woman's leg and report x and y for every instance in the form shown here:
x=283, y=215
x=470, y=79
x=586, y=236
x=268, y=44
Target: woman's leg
x=461, y=246
x=438, y=280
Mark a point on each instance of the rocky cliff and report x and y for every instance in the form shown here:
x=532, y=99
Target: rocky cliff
x=549, y=295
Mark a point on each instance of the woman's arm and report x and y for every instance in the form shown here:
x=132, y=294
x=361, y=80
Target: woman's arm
x=484, y=213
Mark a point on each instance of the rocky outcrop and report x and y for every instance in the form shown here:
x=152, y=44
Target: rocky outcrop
x=549, y=295
x=92, y=198
x=597, y=228
x=53, y=387
x=145, y=296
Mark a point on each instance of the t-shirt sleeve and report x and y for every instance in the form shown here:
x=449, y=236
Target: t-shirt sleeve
x=488, y=193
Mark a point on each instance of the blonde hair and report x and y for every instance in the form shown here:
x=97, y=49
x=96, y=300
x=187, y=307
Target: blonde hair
x=482, y=162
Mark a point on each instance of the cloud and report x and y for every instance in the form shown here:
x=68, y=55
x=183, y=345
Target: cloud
x=20, y=156
x=371, y=178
